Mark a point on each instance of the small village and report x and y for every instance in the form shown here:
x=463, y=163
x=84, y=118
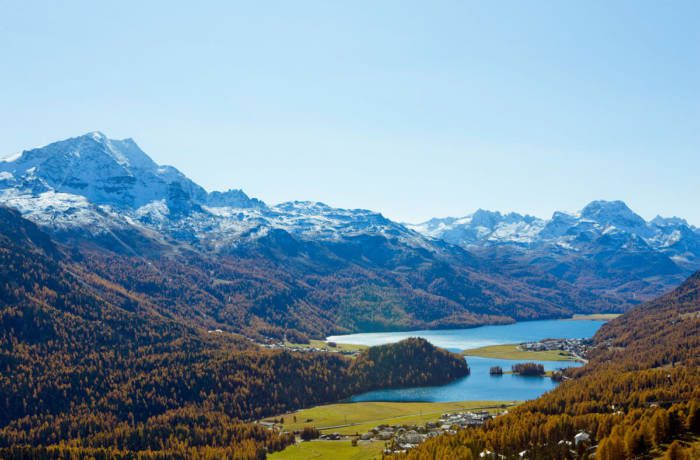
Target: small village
x=449, y=424
x=576, y=347
x=329, y=347
x=400, y=438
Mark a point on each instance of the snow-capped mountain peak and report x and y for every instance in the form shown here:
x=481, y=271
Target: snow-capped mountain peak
x=94, y=183
x=105, y=171
x=614, y=214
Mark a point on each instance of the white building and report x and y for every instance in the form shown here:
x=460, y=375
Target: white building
x=582, y=436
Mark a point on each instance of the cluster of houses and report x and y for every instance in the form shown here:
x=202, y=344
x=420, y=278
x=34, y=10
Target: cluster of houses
x=404, y=437
x=464, y=419
x=401, y=438
x=576, y=347
x=284, y=346
x=330, y=347
x=302, y=349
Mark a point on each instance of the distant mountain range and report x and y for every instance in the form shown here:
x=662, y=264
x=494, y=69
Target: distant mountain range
x=228, y=260
x=572, y=232
x=605, y=246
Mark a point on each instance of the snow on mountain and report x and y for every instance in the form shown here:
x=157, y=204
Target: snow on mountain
x=106, y=172
x=112, y=192
x=63, y=212
x=307, y=218
x=233, y=199
x=96, y=184
x=482, y=226
x=573, y=232
x=615, y=214
x=10, y=157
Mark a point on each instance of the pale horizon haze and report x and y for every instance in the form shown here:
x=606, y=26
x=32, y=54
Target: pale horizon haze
x=412, y=109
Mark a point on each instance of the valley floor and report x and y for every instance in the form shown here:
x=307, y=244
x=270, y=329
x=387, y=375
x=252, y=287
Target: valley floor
x=359, y=417
x=336, y=450
x=352, y=419
x=596, y=317
x=512, y=351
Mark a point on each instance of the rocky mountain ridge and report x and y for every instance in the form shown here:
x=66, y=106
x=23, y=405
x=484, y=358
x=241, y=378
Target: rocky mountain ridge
x=605, y=247
x=674, y=236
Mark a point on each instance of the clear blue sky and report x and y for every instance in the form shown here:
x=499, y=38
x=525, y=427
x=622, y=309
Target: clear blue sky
x=414, y=109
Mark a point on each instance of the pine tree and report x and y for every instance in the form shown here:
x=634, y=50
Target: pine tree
x=611, y=448
x=676, y=452
x=660, y=427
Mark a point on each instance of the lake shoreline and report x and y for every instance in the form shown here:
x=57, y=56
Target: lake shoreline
x=576, y=317
x=480, y=384
x=488, y=335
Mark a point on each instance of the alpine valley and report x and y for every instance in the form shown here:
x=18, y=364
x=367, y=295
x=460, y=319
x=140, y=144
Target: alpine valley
x=304, y=269
x=143, y=317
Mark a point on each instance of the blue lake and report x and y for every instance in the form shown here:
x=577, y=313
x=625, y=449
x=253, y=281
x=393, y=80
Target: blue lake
x=480, y=385
x=464, y=339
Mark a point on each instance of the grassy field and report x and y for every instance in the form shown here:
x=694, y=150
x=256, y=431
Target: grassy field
x=596, y=316
x=323, y=345
x=352, y=418
x=511, y=351
x=336, y=450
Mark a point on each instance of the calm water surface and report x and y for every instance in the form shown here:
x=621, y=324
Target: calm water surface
x=464, y=339
x=479, y=385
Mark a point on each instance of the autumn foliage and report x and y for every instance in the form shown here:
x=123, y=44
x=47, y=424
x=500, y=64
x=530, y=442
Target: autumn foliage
x=639, y=393
x=89, y=369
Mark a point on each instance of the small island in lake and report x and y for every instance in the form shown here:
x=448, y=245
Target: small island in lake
x=528, y=369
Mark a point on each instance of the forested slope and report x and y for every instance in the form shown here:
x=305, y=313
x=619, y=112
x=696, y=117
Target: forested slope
x=639, y=392
x=90, y=368
x=280, y=284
